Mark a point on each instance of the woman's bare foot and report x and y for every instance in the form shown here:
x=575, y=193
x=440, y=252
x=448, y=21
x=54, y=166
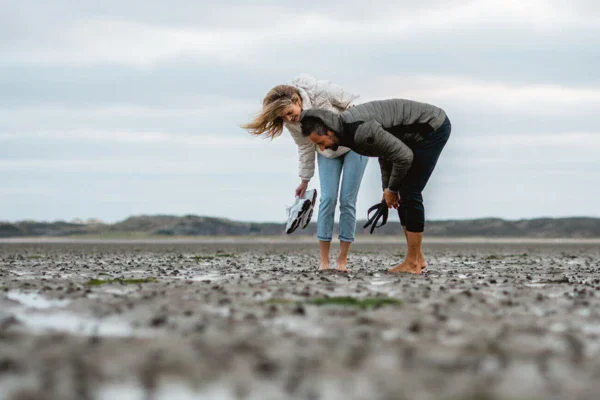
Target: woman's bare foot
x=411, y=266
x=324, y=252
x=341, y=265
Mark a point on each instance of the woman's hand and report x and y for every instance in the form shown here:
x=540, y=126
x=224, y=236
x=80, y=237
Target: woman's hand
x=391, y=199
x=300, y=190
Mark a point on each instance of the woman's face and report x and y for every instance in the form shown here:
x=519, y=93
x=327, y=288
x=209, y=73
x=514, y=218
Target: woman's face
x=292, y=113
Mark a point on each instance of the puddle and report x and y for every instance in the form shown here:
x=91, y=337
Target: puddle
x=299, y=326
x=118, y=291
x=182, y=391
x=75, y=324
x=164, y=392
x=24, y=275
x=535, y=285
x=591, y=329
x=377, y=283
x=210, y=276
x=35, y=300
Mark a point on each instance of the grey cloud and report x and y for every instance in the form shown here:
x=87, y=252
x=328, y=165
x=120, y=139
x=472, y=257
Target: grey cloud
x=170, y=97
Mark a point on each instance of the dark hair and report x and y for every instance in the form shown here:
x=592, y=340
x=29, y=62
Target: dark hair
x=313, y=124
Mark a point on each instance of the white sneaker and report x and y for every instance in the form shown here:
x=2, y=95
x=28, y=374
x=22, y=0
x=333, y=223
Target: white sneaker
x=312, y=196
x=295, y=213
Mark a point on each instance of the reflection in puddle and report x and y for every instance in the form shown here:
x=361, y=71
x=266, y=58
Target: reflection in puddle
x=534, y=285
x=591, y=329
x=35, y=300
x=78, y=325
x=381, y=282
x=299, y=326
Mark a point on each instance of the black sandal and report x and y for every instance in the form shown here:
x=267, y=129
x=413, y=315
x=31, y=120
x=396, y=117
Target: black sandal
x=381, y=211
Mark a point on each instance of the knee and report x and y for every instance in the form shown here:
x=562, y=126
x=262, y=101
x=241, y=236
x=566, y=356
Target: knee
x=411, y=200
x=327, y=201
x=347, y=204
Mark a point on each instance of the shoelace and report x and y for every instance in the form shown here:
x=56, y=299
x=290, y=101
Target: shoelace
x=381, y=212
x=288, y=209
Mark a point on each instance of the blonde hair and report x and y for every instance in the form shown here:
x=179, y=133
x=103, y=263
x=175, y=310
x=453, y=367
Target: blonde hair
x=269, y=122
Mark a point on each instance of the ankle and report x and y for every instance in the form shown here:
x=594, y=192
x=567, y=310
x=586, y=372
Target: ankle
x=412, y=257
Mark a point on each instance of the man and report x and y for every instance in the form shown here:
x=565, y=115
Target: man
x=407, y=137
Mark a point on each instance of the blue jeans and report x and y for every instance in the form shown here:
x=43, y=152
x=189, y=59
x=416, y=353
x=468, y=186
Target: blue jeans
x=330, y=171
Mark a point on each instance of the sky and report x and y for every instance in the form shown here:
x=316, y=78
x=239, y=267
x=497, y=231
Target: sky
x=111, y=109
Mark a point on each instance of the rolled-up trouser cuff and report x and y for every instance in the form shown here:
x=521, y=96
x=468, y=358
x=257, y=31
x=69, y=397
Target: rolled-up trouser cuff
x=415, y=227
x=324, y=239
x=344, y=239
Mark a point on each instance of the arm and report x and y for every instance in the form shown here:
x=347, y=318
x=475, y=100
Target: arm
x=306, y=156
x=393, y=151
x=336, y=94
x=339, y=97
x=386, y=170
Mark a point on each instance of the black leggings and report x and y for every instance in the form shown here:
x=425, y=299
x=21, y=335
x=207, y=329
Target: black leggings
x=425, y=156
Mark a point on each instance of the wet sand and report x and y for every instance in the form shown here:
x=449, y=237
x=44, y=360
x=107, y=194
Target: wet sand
x=253, y=321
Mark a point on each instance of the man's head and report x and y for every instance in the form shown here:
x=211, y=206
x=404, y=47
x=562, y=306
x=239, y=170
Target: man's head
x=318, y=133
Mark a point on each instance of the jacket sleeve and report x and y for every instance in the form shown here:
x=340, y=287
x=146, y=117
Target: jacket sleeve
x=337, y=95
x=386, y=170
x=306, y=156
x=393, y=151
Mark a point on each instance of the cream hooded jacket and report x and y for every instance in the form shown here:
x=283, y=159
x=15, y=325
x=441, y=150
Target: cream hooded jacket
x=322, y=95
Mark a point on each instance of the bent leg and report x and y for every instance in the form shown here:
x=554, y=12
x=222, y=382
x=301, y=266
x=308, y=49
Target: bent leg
x=330, y=170
x=353, y=171
x=411, y=263
x=412, y=210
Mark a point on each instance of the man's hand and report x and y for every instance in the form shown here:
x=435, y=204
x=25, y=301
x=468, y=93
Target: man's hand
x=300, y=190
x=392, y=199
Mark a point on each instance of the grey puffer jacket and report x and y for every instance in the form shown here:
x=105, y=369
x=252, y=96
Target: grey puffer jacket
x=384, y=129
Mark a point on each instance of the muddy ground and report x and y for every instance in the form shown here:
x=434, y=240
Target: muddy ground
x=257, y=321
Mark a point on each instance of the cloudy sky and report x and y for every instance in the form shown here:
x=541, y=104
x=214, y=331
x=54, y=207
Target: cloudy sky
x=113, y=108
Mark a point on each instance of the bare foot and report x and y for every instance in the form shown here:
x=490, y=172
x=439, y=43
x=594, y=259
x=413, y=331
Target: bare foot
x=341, y=266
x=324, y=267
x=422, y=261
x=413, y=267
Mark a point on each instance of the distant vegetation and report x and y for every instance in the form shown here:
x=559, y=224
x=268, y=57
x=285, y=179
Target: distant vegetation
x=192, y=225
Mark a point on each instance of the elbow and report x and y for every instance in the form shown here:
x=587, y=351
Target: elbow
x=409, y=159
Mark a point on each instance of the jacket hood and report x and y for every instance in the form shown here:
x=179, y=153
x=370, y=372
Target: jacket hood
x=331, y=120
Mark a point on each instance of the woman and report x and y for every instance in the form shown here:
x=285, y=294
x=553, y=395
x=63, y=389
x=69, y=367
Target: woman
x=282, y=107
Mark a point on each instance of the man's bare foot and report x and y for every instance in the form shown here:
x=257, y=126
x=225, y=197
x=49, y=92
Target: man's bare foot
x=324, y=267
x=413, y=267
x=422, y=261
x=341, y=266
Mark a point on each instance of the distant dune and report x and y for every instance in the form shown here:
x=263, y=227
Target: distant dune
x=192, y=225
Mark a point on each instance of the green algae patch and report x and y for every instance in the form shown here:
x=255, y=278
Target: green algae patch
x=224, y=255
x=281, y=301
x=34, y=257
x=373, y=302
x=203, y=258
x=99, y=282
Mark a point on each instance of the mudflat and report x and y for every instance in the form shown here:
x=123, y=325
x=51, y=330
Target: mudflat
x=258, y=321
